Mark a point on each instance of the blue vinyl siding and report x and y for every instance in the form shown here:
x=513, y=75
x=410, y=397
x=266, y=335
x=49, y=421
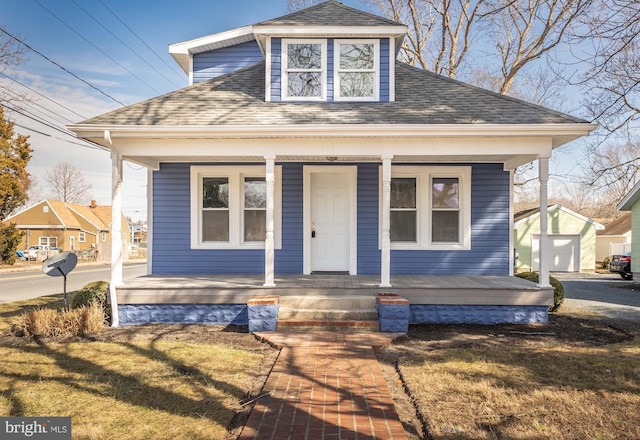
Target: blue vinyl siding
x=384, y=70
x=368, y=215
x=276, y=69
x=489, y=253
x=289, y=258
x=218, y=62
x=172, y=253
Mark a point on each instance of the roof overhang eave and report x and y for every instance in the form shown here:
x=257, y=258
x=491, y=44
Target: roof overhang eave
x=397, y=32
x=560, y=133
x=182, y=52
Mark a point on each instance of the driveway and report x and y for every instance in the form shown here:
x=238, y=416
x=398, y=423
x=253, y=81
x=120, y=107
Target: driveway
x=605, y=294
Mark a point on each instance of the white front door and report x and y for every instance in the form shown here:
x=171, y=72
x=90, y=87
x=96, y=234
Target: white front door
x=330, y=222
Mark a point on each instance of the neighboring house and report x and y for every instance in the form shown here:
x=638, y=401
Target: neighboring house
x=572, y=240
x=302, y=146
x=615, y=239
x=138, y=233
x=630, y=203
x=69, y=227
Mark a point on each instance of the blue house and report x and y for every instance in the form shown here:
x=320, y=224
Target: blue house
x=302, y=148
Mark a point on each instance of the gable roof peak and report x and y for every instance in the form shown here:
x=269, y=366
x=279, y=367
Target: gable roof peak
x=329, y=13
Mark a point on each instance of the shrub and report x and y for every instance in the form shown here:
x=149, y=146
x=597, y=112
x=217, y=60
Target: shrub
x=605, y=263
x=558, y=289
x=49, y=323
x=95, y=291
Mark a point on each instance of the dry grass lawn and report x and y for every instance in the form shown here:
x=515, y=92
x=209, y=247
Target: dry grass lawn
x=133, y=383
x=574, y=379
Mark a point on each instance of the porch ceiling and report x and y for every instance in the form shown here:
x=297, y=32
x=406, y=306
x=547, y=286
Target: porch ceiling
x=510, y=160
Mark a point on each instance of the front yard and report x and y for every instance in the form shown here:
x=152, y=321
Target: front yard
x=576, y=378
x=153, y=382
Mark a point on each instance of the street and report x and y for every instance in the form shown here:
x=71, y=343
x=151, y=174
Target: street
x=605, y=294
x=18, y=286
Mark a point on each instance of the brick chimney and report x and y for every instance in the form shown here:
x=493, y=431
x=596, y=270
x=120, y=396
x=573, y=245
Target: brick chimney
x=93, y=204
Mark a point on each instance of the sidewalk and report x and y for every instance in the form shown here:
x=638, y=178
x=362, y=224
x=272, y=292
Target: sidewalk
x=36, y=266
x=325, y=385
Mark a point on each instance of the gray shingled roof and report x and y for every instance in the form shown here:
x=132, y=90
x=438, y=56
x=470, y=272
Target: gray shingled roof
x=330, y=13
x=421, y=98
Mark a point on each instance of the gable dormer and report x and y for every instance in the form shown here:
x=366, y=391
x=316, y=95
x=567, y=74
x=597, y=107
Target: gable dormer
x=325, y=53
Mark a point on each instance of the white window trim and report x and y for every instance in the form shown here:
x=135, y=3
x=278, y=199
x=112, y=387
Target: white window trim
x=104, y=237
x=284, y=71
x=82, y=237
x=375, y=70
x=424, y=176
x=48, y=240
x=235, y=174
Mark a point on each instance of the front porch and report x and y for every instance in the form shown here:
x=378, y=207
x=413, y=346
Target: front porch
x=431, y=299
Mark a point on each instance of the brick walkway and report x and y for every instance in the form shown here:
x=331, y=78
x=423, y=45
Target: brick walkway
x=325, y=385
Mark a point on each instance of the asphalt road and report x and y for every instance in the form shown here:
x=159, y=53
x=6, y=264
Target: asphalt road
x=17, y=286
x=605, y=294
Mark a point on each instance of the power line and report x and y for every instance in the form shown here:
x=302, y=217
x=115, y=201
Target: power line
x=44, y=96
x=61, y=67
x=123, y=43
x=44, y=109
x=50, y=125
x=96, y=47
x=91, y=144
x=36, y=118
x=172, y=68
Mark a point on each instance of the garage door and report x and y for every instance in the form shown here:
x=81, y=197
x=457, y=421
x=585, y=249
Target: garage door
x=565, y=253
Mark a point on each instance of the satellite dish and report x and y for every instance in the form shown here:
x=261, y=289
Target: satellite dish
x=60, y=265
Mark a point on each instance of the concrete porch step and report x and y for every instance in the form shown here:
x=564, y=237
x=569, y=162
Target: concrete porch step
x=327, y=314
x=320, y=324
x=328, y=308
x=328, y=302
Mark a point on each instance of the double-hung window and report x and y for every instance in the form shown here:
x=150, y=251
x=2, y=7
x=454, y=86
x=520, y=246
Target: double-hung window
x=229, y=207
x=304, y=70
x=445, y=210
x=255, y=208
x=404, y=210
x=430, y=207
x=357, y=66
x=215, y=209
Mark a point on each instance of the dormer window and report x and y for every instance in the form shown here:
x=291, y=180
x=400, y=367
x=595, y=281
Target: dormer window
x=304, y=70
x=357, y=65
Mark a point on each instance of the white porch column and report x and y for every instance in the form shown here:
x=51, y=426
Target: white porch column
x=543, y=176
x=116, y=233
x=385, y=267
x=149, y=221
x=269, y=242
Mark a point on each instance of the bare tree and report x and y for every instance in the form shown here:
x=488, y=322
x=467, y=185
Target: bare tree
x=441, y=32
x=612, y=83
x=611, y=169
x=296, y=5
x=526, y=30
x=67, y=184
x=11, y=55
